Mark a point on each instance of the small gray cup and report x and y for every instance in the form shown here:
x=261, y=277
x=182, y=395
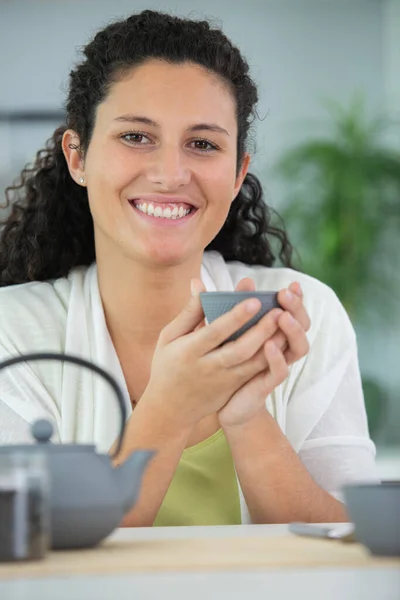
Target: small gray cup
x=216, y=304
x=375, y=512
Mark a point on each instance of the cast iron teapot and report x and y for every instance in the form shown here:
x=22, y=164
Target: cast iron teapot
x=89, y=497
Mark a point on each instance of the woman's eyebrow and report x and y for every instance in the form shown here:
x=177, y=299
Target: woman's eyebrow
x=147, y=121
x=208, y=127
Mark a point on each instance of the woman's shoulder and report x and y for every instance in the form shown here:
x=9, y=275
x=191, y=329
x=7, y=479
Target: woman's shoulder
x=33, y=314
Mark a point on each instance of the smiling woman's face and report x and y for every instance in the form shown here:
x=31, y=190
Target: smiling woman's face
x=161, y=165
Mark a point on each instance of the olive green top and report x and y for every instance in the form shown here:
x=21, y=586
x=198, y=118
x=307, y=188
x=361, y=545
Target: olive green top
x=204, y=489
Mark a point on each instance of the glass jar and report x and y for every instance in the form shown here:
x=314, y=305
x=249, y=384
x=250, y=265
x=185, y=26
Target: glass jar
x=24, y=505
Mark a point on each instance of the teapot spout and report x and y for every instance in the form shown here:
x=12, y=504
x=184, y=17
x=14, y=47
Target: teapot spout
x=130, y=474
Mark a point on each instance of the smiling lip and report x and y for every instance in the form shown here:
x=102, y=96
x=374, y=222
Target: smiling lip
x=165, y=200
x=160, y=222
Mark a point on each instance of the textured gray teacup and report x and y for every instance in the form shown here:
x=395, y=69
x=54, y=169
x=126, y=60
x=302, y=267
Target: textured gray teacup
x=216, y=304
x=375, y=512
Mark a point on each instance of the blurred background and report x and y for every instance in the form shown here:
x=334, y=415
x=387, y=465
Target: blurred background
x=326, y=144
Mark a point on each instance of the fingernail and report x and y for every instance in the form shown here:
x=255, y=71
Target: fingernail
x=252, y=305
x=298, y=291
x=289, y=295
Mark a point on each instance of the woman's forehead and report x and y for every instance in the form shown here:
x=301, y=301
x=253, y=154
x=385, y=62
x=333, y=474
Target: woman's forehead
x=159, y=89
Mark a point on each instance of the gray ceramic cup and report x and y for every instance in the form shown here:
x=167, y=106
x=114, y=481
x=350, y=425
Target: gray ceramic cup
x=375, y=512
x=216, y=304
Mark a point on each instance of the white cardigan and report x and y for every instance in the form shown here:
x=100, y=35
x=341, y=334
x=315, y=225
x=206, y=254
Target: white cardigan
x=319, y=407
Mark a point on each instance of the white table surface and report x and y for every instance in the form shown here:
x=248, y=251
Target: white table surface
x=379, y=583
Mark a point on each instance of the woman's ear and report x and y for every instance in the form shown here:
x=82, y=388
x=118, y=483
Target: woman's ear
x=242, y=173
x=73, y=155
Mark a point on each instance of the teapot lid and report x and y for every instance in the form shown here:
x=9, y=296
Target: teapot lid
x=42, y=430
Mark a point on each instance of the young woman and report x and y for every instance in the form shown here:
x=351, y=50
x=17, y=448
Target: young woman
x=142, y=200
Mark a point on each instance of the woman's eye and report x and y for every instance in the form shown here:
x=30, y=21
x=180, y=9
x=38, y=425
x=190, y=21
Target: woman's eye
x=204, y=145
x=135, y=138
x=140, y=139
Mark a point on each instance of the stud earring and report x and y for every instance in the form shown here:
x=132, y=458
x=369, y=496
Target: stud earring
x=81, y=180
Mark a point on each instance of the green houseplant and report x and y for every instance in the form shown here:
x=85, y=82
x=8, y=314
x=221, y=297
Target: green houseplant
x=342, y=210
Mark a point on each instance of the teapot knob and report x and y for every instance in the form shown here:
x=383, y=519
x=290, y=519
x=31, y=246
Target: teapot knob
x=42, y=430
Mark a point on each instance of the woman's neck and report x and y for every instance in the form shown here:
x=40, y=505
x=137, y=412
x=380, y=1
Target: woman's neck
x=139, y=300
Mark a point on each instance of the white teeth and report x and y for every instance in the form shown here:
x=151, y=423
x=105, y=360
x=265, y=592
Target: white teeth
x=167, y=213
x=159, y=212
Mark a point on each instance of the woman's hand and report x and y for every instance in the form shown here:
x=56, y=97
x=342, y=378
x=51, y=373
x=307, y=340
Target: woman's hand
x=287, y=345
x=193, y=374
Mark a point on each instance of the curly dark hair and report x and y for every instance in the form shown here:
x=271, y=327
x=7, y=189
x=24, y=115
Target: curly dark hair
x=50, y=227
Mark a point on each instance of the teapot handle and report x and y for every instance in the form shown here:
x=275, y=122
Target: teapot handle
x=82, y=363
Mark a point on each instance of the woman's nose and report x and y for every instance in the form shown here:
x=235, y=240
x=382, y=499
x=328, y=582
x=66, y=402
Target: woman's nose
x=169, y=169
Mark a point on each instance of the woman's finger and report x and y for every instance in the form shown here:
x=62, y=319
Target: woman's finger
x=298, y=345
x=249, y=369
x=247, y=345
x=280, y=340
x=188, y=319
x=246, y=285
x=216, y=333
x=293, y=303
x=278, y=369
x=264, y=381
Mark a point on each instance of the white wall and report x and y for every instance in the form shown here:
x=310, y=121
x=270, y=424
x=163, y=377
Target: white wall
x=298, y=50
x=391, y=53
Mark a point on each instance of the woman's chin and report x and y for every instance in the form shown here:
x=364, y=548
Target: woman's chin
x=164, y=257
